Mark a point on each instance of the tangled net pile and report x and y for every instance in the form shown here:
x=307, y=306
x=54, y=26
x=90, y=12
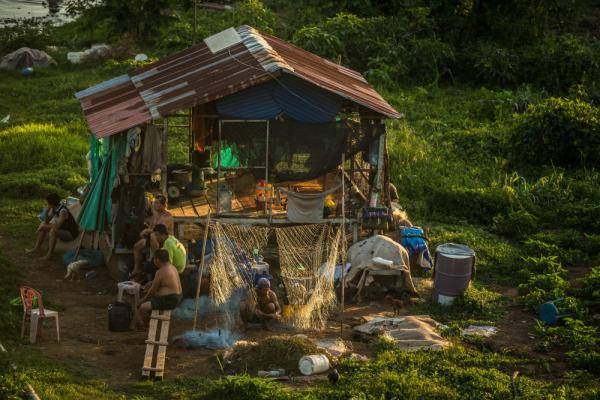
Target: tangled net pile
x=233, y=244
x=308, y=255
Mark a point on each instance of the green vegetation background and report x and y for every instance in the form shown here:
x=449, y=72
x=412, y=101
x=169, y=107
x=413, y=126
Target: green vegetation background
x=499, y=148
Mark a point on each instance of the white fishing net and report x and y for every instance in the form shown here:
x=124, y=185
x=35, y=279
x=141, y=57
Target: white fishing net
x=308, y=255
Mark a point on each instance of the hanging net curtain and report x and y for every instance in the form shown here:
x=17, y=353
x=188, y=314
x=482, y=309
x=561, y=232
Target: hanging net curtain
x=308, y=256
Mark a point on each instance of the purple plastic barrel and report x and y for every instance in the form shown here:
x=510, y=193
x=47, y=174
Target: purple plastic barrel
x=453, y=270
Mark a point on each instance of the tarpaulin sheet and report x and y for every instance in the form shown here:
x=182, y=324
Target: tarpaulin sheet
x=96, y=209
x=291, y=96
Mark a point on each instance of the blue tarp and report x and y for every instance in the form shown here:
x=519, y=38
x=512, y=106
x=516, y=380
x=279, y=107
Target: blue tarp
x=298, y=99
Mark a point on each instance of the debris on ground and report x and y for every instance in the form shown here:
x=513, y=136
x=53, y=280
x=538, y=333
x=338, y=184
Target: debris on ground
x=97, y=50
x=358, y=357
x=479, y=330
x=213, y=339
x=269, y=354
x=334, y=346
x=409, y=333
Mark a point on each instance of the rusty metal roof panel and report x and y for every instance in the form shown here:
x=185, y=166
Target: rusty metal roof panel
x=243, y=58
x=197, y=77
x=330, y=76
x=113, y=106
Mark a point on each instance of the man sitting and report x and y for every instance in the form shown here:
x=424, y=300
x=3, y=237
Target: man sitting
x=160, y=215
x=58, y=223
x=165, y=290
x=266, y=307
x=168, y=242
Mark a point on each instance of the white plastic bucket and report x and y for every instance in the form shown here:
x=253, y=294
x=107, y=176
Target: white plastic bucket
x=445, y=300
x=313, y=364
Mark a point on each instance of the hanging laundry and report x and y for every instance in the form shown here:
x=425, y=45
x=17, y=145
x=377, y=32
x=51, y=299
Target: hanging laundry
x=306, y=207
x=413, y=239
x=151, y=161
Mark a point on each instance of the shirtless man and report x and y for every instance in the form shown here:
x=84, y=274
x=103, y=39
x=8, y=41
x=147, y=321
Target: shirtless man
x=165, y=290
x=160, y=215
x=266, y=308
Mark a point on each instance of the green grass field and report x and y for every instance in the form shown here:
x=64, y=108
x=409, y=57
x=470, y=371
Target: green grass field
x=451, y=160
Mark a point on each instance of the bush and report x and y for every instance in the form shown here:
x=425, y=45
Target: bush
x=590, y=287
x=28, y=32
x=516, y=223
x=542, y=288
x=387, y=48
x=579, y=339
x=34, y=147
x=558, y=62
x=37, y=184
x=558, y=131
x=493, y=64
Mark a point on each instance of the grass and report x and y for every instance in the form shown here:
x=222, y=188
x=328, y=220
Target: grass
x=451, y=161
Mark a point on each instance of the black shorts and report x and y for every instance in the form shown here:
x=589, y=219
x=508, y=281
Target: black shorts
x=168, y=302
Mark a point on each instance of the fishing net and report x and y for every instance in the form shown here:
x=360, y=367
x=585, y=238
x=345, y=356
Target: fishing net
x=308, y=256
x=229, y=268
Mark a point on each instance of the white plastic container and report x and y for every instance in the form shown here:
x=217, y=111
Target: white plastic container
x=313, y=364
x=260, y=268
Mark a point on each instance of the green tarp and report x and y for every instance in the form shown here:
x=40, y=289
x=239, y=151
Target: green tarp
x=105, y=155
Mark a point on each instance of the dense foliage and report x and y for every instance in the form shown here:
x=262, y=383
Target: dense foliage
x=568, y=131
x=499, y=149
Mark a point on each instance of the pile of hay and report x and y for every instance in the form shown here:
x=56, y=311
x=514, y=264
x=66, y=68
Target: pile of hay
x=271, y=353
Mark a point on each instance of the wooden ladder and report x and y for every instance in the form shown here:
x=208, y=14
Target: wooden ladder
x=155, y=367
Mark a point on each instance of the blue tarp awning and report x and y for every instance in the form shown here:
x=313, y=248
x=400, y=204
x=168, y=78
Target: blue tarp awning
x=291, y=96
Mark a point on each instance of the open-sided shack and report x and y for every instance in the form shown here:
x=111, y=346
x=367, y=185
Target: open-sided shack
x=273, y=131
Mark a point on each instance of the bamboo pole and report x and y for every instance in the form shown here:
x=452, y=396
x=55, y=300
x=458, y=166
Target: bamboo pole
x=199, y=283
x=343, y=246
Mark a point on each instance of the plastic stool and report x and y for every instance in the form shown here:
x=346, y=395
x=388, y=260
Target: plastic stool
x=131, y=288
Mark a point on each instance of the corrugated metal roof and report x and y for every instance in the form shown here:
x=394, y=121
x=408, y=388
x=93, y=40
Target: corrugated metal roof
x=197, y=75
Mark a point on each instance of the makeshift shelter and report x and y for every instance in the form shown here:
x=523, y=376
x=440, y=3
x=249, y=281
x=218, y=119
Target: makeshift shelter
x=26, y=57
x=262, y=114
x=276, y=136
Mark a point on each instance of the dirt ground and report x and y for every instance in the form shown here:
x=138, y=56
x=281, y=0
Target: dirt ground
x=117, y=357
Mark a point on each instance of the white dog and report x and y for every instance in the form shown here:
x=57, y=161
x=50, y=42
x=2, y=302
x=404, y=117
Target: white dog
x=73, y=269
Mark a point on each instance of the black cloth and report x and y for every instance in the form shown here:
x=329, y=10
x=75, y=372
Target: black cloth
x=168, y=302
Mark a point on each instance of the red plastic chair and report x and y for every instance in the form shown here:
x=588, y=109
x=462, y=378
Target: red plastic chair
x=35, y=315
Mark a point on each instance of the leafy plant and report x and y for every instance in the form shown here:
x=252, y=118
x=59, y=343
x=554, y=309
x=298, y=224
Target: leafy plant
x=558, y=131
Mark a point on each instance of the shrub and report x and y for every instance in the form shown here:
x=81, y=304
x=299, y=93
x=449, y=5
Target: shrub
x=478, y=303
x=494, y=64
x=558, y=131
x=579, y=339
x=516, y=224
x=28, y=32
x=33, y=147
x=541, y=288
x=558, y=62
x=590, y=287
x=37, y=184
x=544, y=265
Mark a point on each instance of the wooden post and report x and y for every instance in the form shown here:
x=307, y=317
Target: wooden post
x=343, y=246
x=218, y=167
x=267, y=209
x=164, y=156
x=377, y=183
x=199, y=283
